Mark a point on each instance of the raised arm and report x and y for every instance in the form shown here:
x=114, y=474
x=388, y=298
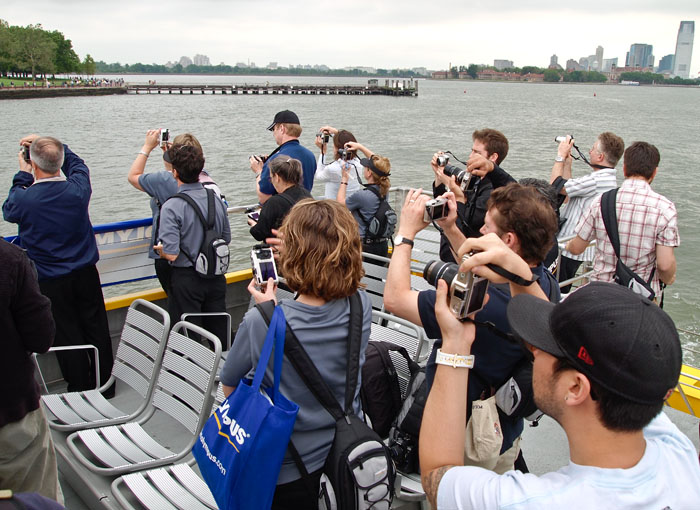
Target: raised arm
x=562, y=168
x=139, y=164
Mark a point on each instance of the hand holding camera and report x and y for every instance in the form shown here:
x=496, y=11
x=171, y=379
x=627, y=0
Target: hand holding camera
x=565, y=145
x=263, y=263
x=270, y=292
x=24, y=159
x=256, y=163
x=413, y=213
x=164, y=138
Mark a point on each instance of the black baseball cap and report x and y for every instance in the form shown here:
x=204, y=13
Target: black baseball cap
x=284, y=117
x=368, y=163
x=617, y=338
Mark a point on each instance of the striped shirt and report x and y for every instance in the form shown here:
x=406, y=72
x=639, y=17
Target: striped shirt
x=581, y=192
x=644, y=218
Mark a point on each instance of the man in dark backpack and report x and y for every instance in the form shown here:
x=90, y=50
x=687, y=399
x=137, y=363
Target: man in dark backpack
x=181, y=235
x=525, y=222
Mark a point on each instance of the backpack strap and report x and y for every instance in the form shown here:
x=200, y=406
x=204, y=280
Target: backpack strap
x=206, y=224
x=373, y=189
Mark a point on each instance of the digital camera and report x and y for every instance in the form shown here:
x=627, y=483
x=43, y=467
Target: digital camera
x=259, y=157
x=435, y=209
x=25, y=153
x=263, y=264
x=325, y=135
x=344, y=154
x=462, y=177
x=253, y=213
x=164, y=136
x=562, y=138
x=467, y=291
x=442, y=160
x=404, y=452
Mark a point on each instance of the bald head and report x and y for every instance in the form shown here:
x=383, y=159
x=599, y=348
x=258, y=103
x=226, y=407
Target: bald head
x=47, y=153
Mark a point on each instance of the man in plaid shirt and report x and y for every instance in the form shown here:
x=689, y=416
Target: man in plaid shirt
x=647, y=224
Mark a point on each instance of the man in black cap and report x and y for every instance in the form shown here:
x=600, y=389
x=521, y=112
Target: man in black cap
x=605, y=359
x=286, y=129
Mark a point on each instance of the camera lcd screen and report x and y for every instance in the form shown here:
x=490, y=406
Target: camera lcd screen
x=267, y=270
x=255, y=215
x=439, y=211
x=478, y=294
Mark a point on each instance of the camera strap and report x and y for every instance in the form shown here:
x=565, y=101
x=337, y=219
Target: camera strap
x=585, y=160
x=512, y=277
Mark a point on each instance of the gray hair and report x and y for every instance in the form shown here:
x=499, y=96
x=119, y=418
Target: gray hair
x=47, y=153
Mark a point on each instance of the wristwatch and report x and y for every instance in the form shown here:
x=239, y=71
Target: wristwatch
x=559, y=159
x=403, y=240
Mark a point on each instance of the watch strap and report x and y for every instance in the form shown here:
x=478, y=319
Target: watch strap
x=454, y=360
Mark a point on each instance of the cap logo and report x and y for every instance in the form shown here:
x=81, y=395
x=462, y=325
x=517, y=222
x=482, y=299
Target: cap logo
x=584, y=356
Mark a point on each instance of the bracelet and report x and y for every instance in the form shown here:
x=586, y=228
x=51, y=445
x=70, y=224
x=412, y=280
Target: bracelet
x=454, y=360
x=144, y=153
x=344, y=183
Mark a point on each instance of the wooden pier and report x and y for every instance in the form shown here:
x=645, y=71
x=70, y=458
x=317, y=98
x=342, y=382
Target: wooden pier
x=397, y=88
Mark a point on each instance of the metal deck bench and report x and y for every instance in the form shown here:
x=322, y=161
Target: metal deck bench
x=184, y=392
x=137, y=362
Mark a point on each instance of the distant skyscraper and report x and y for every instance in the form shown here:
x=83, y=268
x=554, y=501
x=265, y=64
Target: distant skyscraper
x=201, y=60
x=599, y=58
x=684, y=49
x=608, y=64
x=553, y=61
x=502, y=64
x=185, y=61
x=666, y=64
x=640, y=55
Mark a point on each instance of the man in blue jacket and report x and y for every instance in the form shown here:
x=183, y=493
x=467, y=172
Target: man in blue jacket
x=286, y=129
x=51, y=210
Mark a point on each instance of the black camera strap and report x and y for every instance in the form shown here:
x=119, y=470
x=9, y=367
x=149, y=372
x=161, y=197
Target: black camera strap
x=585, y=160
x=512, y=277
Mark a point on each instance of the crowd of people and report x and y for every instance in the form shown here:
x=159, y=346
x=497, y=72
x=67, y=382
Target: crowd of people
x=600, y=362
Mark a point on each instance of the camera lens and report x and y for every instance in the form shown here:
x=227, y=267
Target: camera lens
x=439, y=270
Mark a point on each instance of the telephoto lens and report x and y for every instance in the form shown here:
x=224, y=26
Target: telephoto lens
x=439, y=270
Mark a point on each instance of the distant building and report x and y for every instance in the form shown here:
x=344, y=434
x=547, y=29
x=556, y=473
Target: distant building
x=583, y=62
x=533, y=77
x=554, y=61
x=684, y=49
x=201, y=60
x=665, y=64
x=272, y=65
x=421, y=71
x=599, y=58
x=572, y=65
x=615, y=72
x=640, y=55
x=185, y=61
x=439, y=75
x=608, y=64
x=241, y=64
x=489, y=74
x=502, y=64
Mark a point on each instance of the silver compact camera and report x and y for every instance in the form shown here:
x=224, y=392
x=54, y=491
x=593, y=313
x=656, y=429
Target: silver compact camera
x=344, y=154
x=263, y=263
x=435, y=209
x=442, y=160
x=325, y=135
x=164, y=136
x=562, y=138
x=467, y=292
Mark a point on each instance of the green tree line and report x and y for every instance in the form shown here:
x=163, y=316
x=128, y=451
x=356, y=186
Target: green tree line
x=649, y=78
x=31, y=51
x=117, y=68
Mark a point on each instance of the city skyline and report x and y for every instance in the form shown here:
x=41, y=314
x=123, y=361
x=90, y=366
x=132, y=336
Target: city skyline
x=388, y=35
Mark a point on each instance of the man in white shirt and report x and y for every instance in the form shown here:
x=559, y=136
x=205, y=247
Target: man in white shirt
x=581, y=191
x=601, y=371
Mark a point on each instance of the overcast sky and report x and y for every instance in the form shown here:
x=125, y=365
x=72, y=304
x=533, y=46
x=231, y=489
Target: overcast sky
x=386, y=34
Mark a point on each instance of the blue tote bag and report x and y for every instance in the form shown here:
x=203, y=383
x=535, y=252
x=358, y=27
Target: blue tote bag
x=241, y=447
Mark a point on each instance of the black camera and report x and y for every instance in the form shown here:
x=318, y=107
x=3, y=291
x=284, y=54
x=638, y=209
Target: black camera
x=435, y=209
x=164, y=136
x=404, y=452
x=25, y=153
x=259, y=157
x=467, y=291
x=253, y=213
x=344, y=154
x=442, y=160
x=562, y=138
x=325, y=135
x=462, y=177
x=263, y=264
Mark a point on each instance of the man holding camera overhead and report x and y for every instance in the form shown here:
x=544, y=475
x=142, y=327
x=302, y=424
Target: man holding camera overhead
x=49, y=201
x=525, y=222
x=581, y=191
x=472, y=187
x=286, y=129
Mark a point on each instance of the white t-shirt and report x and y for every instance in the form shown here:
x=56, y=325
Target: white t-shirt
x=666, y=478
x=331, y=174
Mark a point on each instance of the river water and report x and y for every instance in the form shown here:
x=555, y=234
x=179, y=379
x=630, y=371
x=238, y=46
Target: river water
x=108, y=132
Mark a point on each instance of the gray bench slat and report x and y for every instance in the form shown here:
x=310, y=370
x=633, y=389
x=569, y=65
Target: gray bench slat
x=101, y=449
x=188, y=478
x=60, y=410
x=145, y=441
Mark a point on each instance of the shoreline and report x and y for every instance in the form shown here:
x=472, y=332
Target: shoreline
x=43, y=92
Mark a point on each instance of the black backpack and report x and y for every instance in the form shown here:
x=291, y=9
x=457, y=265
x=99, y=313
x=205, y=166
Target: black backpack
x=358, y=472
x=213, y=257
x=380, y=391
x=403, y=439
x=383, y=223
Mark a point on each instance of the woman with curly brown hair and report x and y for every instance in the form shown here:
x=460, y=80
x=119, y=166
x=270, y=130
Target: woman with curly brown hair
x=321, y=261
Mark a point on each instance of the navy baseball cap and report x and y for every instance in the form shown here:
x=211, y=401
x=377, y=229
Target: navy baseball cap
x=617, y=338
x=284, y=117
x=368, y=163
